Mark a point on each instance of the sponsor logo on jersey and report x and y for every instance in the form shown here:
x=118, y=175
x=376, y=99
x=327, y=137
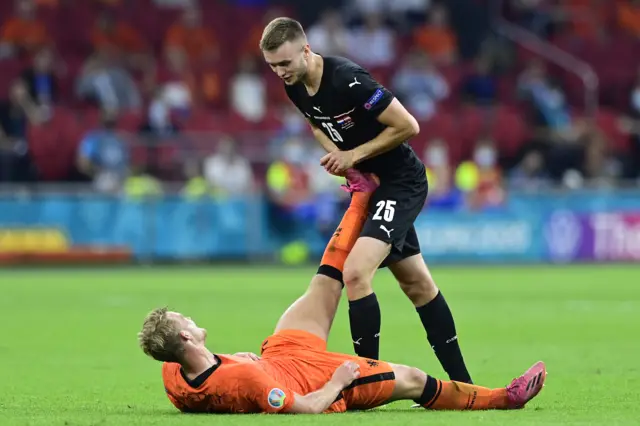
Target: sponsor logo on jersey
x=276, y=398
x=374, y=99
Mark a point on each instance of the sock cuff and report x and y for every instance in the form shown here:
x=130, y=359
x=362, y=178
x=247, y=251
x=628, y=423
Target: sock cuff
x=364, y=302
x=432, y=303
x=331, y=272
x=431, y=392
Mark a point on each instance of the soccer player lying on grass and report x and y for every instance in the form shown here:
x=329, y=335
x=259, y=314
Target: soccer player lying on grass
x=296, y=374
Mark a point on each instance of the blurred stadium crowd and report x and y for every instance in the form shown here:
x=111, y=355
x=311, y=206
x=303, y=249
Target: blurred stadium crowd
x=139, y=95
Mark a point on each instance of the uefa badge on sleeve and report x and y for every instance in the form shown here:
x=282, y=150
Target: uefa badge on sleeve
x=276, y=398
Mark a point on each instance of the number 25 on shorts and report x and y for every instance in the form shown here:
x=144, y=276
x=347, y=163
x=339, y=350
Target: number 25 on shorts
x=385, y=210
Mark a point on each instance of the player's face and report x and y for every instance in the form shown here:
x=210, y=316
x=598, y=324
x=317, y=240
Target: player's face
x=289, y=61
x=189, y=329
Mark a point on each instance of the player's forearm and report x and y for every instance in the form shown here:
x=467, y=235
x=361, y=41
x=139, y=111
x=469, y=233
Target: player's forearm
x=387, y=140
x=318, y=401
x=324, y=140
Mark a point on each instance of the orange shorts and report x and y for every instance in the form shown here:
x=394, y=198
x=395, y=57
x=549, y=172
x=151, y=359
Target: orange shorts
x=300, y=360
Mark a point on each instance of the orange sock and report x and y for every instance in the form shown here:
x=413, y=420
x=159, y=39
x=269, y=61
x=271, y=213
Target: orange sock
x=462, y=396
x=347, y=232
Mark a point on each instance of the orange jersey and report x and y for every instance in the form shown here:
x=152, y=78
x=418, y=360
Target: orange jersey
x=293, y=362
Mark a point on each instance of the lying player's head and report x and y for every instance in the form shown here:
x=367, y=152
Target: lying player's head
x=167, y=336
x=285, y=48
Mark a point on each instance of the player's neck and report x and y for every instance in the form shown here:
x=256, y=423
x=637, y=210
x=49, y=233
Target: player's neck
x=313, y=78
x=197, y=361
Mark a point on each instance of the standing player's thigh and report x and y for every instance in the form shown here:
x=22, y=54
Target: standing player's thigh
x=393, y=210
x=315, y=310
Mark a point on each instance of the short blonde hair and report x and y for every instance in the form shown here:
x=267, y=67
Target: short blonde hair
x=160, y=337
x=279, y=31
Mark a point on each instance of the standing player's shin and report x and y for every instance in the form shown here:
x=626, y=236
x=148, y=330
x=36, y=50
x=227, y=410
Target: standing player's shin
x=315, y=310
x=436, y=317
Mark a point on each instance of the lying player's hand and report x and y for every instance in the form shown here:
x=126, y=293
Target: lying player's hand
x=248, y=355
x=346, y=373
x=337, y=162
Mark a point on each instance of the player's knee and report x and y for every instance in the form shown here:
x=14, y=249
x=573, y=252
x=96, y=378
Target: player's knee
x=356, y=277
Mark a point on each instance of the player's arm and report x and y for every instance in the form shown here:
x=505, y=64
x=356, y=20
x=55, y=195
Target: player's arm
x=367, y=93
x=323, y=139
x=401, y=125
x=318, y=401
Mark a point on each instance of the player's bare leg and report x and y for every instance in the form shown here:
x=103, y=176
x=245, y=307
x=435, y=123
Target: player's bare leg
x=418, y=284
x=315, y=310
x=431, y=393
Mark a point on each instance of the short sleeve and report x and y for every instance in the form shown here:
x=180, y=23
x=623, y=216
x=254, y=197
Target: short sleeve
x=365, y=92
x=266, y=393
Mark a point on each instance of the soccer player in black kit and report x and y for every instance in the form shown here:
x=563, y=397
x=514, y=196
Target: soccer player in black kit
x=361, y=125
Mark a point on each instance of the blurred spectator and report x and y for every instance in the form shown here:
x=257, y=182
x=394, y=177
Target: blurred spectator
x=250, y=45
x=16, y=114
x=249, y=90
x=407, y=13
x=103, y=155
x=41, y=78
x=372, y=45
x=547, y=102
x=329, y=36
x=191, y=36
x=488, y=191
x=158, y=130
x=530, y=172
x=588, y=18
x=290, y=207
x=480, y=87
x=228, y=172
x=141, y=184
x=629, y=16
x=119, y=37
x=436, y=37
x=366, y=7
x=631, y=125
x=534, y=15
x=443, y=195
x=23, y=33
x=106, y=82
x=177, y=83
x=419, y=85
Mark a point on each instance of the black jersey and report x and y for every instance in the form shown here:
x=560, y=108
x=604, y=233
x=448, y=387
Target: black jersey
x=346, y=108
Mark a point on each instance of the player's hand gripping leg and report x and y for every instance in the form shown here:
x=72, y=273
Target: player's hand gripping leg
x=315, y=310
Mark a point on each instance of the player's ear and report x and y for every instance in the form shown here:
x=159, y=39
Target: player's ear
x=185, y=335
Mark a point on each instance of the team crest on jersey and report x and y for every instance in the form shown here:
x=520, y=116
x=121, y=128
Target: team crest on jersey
x=374, y=99
x=276, y=398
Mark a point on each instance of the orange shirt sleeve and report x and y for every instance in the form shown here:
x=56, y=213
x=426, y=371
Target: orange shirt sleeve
x=265, y=392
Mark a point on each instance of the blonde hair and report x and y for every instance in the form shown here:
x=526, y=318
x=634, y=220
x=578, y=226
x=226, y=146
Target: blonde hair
x=160, y=337
x=279, y=31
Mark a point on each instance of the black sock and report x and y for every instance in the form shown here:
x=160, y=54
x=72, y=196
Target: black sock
x=441, y=332
x=430, y=393
x=364, y=316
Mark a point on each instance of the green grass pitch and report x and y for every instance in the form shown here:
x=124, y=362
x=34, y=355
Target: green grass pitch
x=69, y=354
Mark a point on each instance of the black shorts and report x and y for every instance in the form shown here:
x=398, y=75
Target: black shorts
x=393, y=209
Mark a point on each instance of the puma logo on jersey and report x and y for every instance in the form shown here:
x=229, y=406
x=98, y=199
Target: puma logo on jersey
x=388, y=231
x=318, y=109
x=355, y=81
